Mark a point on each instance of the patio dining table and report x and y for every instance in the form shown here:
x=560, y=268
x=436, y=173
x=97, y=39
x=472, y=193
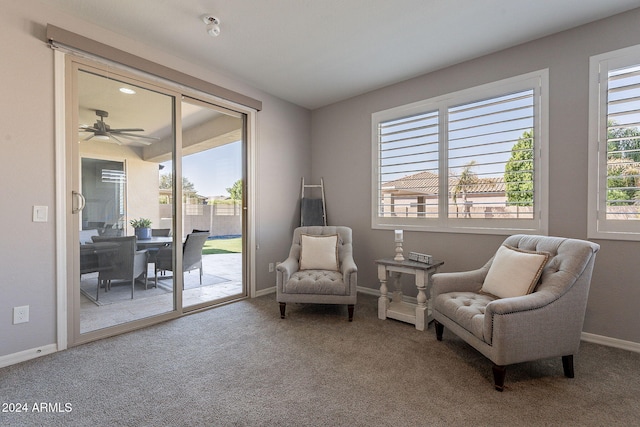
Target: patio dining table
x=154, y=242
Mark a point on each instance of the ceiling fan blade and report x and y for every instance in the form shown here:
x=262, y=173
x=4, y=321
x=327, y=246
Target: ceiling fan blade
x=138, y=136
x=127, y=130
x=115, y=139
x=88, y=129
x=89, y=137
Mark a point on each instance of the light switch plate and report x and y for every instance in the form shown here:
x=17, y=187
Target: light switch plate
x=40, y=213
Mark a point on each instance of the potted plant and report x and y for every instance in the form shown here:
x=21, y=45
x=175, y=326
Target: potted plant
x=142, y=228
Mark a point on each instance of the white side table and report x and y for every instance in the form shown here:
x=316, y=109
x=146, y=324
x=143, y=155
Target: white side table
x=395, y=308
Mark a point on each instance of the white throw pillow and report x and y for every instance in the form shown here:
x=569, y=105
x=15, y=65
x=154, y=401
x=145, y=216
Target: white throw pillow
x=514, y=272
x=319, y=252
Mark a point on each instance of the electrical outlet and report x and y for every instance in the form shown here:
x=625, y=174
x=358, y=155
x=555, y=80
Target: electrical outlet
x=271, y=267
x=20, y=314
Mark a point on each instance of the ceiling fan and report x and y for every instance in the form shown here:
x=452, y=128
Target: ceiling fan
x=102, y=131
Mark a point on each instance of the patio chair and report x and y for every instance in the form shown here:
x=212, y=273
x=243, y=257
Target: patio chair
x=163, y=232
x=191, y=255
x=119, y=260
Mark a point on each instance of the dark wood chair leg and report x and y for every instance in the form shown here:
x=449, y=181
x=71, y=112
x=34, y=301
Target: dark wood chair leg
x=499, y=372
x=567, y=365
x=439, y=329
x=283, y=305
x=350, y=309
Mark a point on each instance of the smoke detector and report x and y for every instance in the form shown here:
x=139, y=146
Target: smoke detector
x=213, y=25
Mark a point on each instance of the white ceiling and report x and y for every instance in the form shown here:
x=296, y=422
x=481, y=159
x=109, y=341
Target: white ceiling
x=316, y=52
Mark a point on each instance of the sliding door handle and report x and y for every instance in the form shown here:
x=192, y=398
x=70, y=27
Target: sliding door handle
x=81, y=202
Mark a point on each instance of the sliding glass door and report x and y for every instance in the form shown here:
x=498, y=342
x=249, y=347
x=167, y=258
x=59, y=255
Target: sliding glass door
x=213, y=180
x=157, y=185
x=118, y=119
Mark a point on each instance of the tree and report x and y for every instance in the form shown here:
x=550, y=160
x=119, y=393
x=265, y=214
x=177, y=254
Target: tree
x=623, y=142
x=518, y=171
x=166, y=183
x=236, y=190
x=623, y=164
x=466, y=179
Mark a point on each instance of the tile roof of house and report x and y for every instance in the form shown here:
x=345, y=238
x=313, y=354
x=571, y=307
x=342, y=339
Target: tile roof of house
x=426, y=183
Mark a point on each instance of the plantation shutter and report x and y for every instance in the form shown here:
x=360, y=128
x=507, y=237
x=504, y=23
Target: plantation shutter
x=491, y=157
x=408, y=164
x=623, y=144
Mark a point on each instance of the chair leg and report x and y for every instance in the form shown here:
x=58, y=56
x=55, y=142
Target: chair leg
x=567, y=365
x=283, y=305
x=499, y=372
x=133, y=285
x=439, y=327
x=350, y=309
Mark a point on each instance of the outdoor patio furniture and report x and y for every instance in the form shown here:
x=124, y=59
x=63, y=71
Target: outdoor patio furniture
x=191, y=255
x=161, y=232
x=120, y=261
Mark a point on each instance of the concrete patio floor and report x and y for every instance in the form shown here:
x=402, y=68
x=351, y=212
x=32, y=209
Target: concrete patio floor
x=225, y=266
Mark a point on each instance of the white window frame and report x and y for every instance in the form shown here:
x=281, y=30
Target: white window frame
x=598, y=227
x=539, y=82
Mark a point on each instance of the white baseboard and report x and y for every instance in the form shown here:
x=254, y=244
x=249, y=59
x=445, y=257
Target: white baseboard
x=23, y=356
x=611, y=342
x=263, y=292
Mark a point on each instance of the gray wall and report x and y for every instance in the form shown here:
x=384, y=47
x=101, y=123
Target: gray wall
x=27, y=249
x=341, y=153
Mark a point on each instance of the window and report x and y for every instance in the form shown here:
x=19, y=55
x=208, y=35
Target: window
x=614, y=155
x=470, y=161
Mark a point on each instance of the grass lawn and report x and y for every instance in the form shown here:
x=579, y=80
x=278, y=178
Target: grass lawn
x=222, y=246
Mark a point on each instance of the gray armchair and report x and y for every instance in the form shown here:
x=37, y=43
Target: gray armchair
x=296, y=283
x=542, y=324
x=119, y=259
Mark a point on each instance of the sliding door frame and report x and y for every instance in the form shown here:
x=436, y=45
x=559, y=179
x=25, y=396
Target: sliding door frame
x=67, y=308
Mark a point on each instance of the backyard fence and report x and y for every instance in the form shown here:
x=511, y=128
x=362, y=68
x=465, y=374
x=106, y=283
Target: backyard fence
x=219, y=219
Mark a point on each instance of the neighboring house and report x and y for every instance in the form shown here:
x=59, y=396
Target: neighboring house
x=417, y=195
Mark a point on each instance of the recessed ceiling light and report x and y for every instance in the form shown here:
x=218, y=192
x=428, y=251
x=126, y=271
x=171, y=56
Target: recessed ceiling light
x=127, y=90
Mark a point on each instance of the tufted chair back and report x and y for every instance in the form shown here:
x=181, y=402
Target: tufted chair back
x=345, y=247
x=568, y=262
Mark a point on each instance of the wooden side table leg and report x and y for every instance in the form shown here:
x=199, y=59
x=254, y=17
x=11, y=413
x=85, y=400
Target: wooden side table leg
x=383, y=301
x=430, y=273
x=421, y=309
x=397, y=287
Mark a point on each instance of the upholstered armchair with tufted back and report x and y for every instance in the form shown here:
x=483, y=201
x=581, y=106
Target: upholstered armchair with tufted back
x=319, y=270
x=526, y=303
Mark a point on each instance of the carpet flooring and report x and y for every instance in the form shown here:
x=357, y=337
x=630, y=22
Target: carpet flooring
x=241, y=365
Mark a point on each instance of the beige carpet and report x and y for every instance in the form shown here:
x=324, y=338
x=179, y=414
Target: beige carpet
x=241, y=365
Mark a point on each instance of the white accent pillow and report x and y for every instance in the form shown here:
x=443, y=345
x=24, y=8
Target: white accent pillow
x=514, y=272
x=319, y=252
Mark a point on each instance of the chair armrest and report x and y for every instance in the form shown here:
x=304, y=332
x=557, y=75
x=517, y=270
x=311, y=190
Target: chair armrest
x=140, y=259
x=465, y=281
x=350, y=274
x=348, y=266
x=284, y=270
x=528, y=302
x=541, y=324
